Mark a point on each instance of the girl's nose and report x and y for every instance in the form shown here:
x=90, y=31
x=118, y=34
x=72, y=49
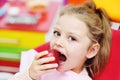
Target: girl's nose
x=59, y=42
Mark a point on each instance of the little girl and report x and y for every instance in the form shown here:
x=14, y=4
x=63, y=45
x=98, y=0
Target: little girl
x=82, y=36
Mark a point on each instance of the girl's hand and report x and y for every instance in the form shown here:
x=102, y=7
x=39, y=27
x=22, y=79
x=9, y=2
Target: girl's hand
x=41, y=66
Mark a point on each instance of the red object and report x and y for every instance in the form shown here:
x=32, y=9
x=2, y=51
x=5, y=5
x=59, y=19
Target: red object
x=43, y=47
x=75, y=2
x=9, y=63
x=112, y=69
x=52, y=53
x=9, y=66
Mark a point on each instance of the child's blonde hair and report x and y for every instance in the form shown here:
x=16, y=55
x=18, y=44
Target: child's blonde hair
x=99, y=31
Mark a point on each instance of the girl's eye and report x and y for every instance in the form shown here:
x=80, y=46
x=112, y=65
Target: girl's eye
x=56, y=33
x=72, y=38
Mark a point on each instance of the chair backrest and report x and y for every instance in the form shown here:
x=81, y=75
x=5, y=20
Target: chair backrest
x=112, y=69
x=43, y=47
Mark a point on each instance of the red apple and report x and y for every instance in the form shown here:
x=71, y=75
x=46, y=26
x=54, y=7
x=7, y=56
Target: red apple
x=53, y=53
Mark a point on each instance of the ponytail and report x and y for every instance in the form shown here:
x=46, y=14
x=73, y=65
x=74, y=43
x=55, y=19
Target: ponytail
x=104, y=39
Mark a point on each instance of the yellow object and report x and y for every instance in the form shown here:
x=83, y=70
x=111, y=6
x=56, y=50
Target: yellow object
x=111, y=7
x=21, y=39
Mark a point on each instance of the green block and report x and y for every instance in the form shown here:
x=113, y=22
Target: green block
x=10, y=53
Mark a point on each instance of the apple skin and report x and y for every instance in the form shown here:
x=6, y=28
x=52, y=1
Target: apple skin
x=53, y=53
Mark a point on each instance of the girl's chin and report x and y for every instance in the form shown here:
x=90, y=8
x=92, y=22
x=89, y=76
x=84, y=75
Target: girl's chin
x=61, y=69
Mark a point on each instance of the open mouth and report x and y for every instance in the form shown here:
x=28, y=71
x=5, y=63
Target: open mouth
x=62, y=57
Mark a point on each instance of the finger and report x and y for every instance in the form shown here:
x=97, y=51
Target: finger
x=46, y=71
x=48, y=66
x=45, y=60
x=39, y=55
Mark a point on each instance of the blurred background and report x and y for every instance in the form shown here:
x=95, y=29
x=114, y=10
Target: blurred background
x=26, y=24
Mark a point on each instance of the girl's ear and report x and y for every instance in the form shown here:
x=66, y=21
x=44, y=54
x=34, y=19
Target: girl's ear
x=93, y=50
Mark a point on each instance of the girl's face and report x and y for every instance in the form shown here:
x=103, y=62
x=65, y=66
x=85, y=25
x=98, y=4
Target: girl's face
x=72, y=43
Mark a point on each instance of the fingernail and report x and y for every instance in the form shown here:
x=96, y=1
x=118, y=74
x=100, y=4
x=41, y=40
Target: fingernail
x=53, y=58
x=46, y=51
x=56, y=65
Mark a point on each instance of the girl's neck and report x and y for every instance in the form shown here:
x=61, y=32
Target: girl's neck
x=77, y=70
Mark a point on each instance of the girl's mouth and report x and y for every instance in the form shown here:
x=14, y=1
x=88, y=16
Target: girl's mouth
x=62, y=57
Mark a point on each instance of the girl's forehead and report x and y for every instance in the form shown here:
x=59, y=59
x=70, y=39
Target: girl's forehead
x=70, y=19
x=71, y=23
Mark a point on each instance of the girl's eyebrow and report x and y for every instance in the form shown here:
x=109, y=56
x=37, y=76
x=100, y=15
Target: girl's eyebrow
x=56, y=27
x=75, y=34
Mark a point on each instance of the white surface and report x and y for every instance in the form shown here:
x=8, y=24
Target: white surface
x=26, y=59
x=5, y=76
x=13, y=11
x=115, y=25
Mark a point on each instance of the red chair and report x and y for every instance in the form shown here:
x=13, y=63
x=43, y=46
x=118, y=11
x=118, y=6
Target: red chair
x=112, y=69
